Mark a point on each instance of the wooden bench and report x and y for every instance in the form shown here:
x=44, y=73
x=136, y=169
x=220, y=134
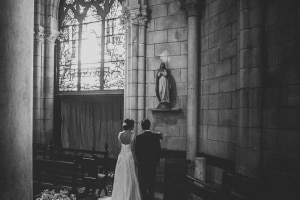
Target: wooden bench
x=211, y=190
x=64, y=168
x=55, y=174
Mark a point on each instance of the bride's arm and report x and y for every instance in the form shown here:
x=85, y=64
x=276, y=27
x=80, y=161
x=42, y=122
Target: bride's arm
x=133, y=140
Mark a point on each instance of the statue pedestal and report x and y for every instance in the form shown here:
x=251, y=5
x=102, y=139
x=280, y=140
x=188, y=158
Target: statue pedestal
x=165, y=109
x=200, y=168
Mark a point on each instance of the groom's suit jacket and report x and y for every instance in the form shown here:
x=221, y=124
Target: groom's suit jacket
x=147, y=149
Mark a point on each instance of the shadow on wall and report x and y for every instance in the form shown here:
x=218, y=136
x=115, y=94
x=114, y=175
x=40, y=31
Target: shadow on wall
x=173, y=90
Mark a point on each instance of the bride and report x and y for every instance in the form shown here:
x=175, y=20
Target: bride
x=126, y=186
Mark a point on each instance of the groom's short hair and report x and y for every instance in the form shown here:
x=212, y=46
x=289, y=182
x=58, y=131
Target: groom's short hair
x=146, y=124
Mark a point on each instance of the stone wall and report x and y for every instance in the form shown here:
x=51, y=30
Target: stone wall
x=281, y=137
x=167, y=42
x=218, y=119
x=250, y=92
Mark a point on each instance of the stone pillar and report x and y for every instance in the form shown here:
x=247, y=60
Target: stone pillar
x=133, y=68
x=141, y=68
x=135, y=20
x=250, y=72
x=38, y=64
x=192, y=10
x=16, y=75
x=49, y=76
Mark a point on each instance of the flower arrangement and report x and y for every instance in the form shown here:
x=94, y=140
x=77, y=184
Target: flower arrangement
x=52, y=195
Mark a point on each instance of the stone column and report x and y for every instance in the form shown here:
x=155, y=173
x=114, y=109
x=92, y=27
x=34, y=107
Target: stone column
x=38, y=64
x=16, y=75
x=142, y=20
x=49, y=76
x=133, y=67
x=135, y=18
x=192, y=10
x=250, y=72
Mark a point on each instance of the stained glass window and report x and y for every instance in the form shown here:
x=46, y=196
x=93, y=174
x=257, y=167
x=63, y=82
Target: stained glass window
x=92, y=46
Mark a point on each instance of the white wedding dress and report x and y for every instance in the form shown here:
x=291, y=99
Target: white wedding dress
x=126, y=185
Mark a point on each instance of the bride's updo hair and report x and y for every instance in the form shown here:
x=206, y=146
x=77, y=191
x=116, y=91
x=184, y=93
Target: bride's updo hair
x=127, y=124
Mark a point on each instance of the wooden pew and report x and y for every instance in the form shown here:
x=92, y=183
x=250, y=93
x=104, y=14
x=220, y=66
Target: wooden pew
x=56, y=174
x=63, y=168
x=210, y=190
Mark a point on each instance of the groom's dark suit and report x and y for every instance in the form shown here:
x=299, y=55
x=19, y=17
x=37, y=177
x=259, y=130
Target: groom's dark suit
x=147, y=150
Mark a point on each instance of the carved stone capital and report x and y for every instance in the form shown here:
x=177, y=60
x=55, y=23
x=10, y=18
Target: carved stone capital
x=134, y=16
x=51, y=36
x=192, y=7
x=39, y=33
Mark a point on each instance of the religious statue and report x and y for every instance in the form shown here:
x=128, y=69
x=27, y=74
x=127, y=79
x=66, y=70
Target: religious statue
x=163, y=87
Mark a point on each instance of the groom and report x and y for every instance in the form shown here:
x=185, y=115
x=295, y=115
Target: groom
x=147, y=149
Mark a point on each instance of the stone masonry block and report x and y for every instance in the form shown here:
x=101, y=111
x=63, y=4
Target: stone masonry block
x=153, y=63
x=213, y=86
x=174, y=8
x=213, y=8
x=159, y=10
x=271, y=118
x=175, y=73
x=204, y=101
x=256, y=16
x=150, y=76
x=212, y=68
x=204, y=87
x=256, y=77
x=228, y=83
x=213, y=24
x=204, y=27
x=234, y=30
x=179, y=34
x=157, y=37
x=228, y=50
x=150, y=50
x=150, y=25
x=167, y=49
x=181, y=89
x=228, y=16
x=286, y=51
x=289, y=118
x=212, y=132
x=204, y=43
x=224, y=68
x=213, y=101
x=271, y=97
x=289, y=96
x=228, y=117
x=214, y=39
x=168, y=22
x=225, y=34
x=183, y=75
x=204, y=58
x=150, y=89
x=210, y=117
x=204, y=73
x=175, y=62
x=184, y=20
x=224, y=100
x=213, y=55
x=255, y=118
x=183, y=48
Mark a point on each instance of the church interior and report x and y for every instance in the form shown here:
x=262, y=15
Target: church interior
x=73, y=70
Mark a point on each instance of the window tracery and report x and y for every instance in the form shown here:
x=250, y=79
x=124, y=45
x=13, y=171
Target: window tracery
x=92, y=46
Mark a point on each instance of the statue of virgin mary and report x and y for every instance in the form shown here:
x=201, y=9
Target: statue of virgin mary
x=163, y=87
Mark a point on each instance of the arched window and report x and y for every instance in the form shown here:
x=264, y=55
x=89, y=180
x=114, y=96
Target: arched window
x=92, y=46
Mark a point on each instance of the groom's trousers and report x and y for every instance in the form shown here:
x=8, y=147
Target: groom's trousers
x=147, y=182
